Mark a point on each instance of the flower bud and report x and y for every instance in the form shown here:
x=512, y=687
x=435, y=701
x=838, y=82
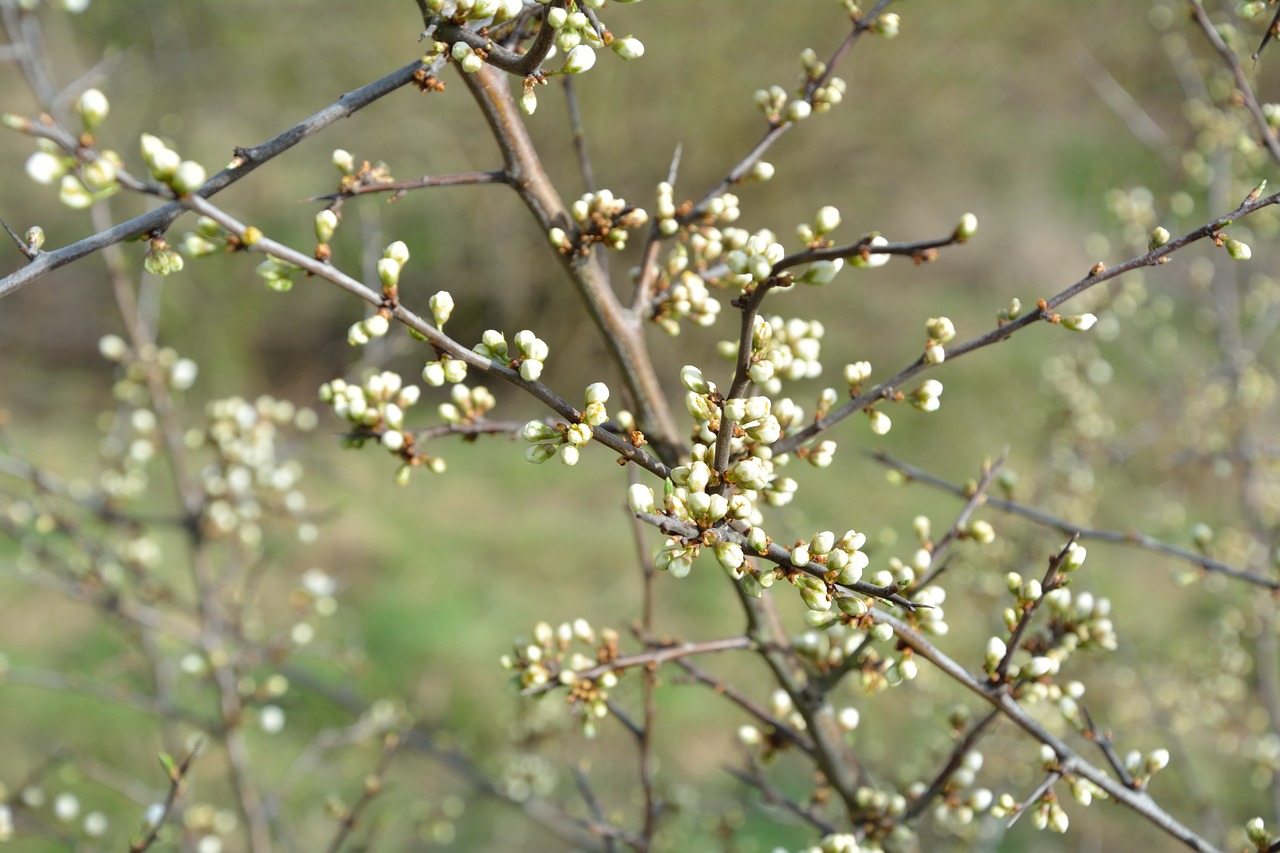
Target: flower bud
x=326, y=223
x=388, y=273
x=1079, y=322
x=93, y=108
x=966, y=227
x=441, y=307
x=880, y=422
x=639, y=496
x=826, y=220
x=188, y=177
x=628, y=47
x=343, y=161
x=580, y=59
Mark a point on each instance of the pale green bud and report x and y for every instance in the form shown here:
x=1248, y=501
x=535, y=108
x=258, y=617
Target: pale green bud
x=388, y=272
x=1238, y=251
x=539, y=453
x=1159, y=237
x=1079, y=322
x=691, y=378
x=326, y=223
x=966, y=227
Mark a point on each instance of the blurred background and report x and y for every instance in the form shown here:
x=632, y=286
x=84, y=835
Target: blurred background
x=1062, y=126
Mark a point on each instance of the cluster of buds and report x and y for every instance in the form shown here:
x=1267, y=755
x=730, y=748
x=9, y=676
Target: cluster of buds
x=277, y=274
x=1142, y=767
x=926, y=397
x=842, y=560
x=601, y=217
x=781, y=349
x=247, y=476
x=688, y=298
x=166, y=165
x=1079, y=620
x=558, y=655
x=530, y=354
x=567, y=440
x=940, y=330
x=467, y=405
x=207, y=238
x=665, y=209
x=390, y=265
x=161, y=259
x=1050, y=815
x=376, y=409
x=780, y=108
x=573, y=28
x=814, y=234
x=753, y=260
x=960, y=801
x=490, y=11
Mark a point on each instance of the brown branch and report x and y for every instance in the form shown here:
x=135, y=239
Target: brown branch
x=623, y=332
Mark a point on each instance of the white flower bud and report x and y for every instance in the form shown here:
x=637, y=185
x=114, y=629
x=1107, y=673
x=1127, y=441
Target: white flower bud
x=93, y=108
x=639, y=496
x=580, y=59
x=628, y=47
x=1079, y=322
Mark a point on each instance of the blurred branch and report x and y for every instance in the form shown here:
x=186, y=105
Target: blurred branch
x=1243, y=88
x=373, y=785
x=177, y=774
x=1044, y=519
x=1100, y=273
